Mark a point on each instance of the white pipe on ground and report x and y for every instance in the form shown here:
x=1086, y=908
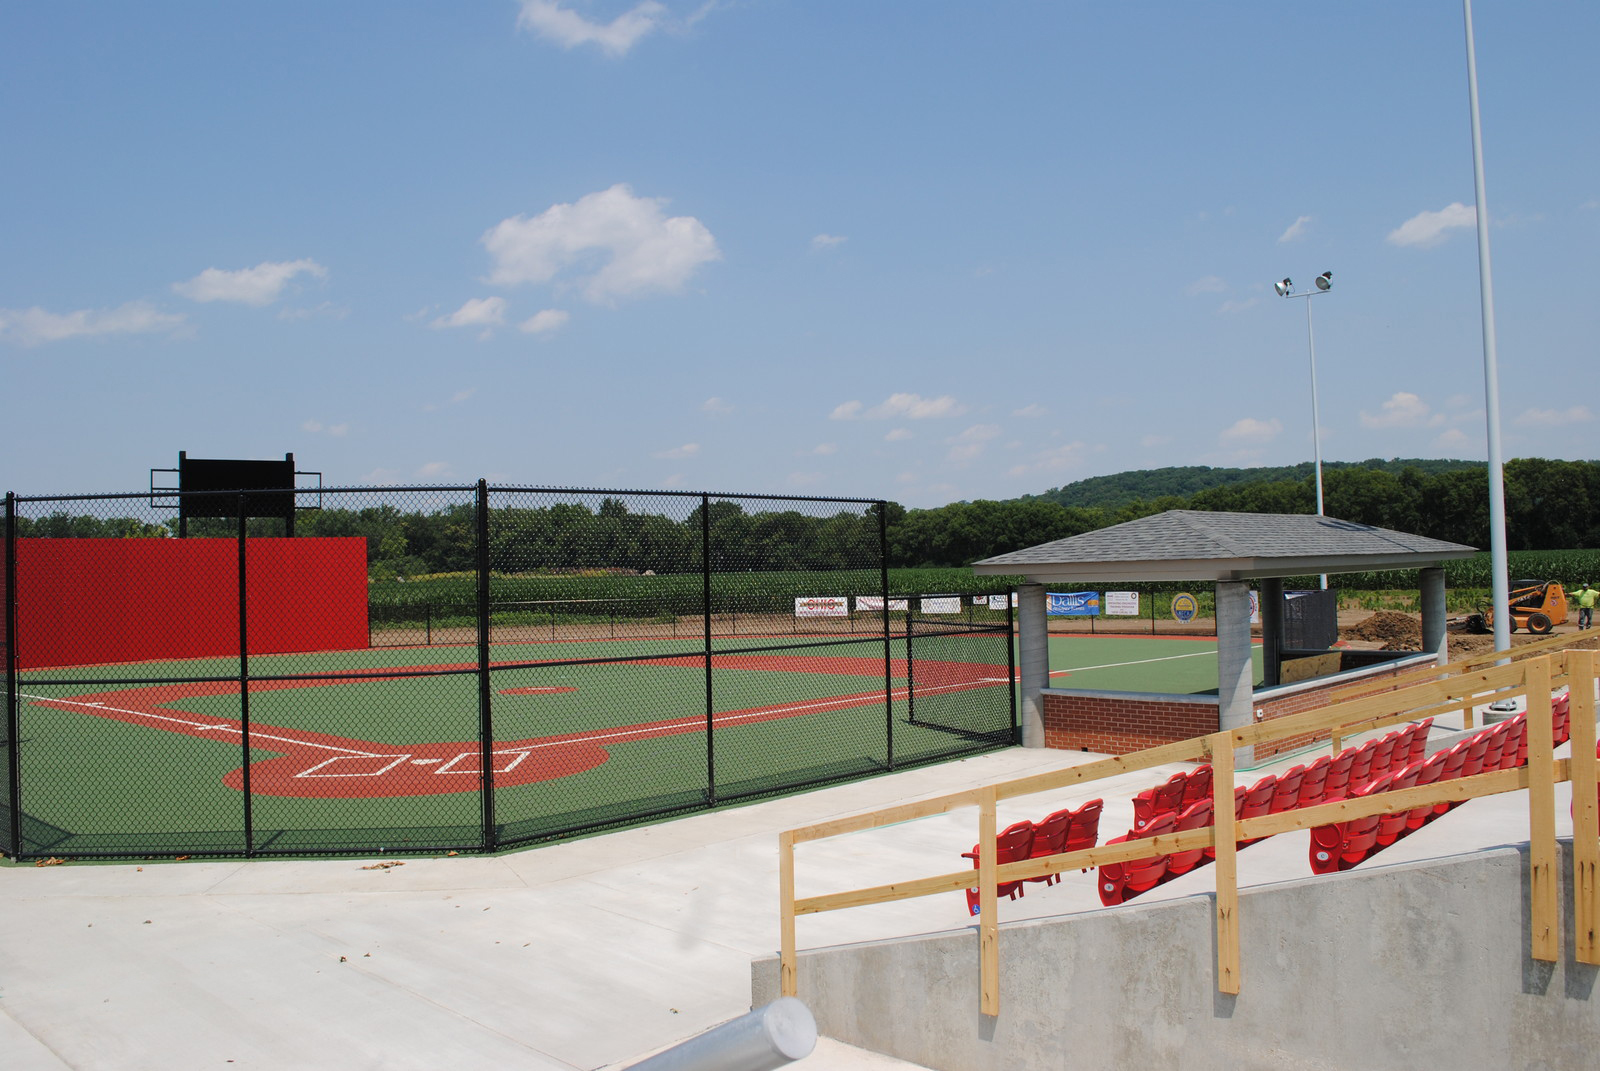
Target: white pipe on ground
x=764, y=1040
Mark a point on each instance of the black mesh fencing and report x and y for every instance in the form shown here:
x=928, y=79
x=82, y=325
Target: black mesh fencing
x=427, y=669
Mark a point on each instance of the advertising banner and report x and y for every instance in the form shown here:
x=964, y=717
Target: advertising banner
x=1185, y=606
x=1074, y=604
x=1255, y=607
x=998, y=602
x=1122, y=603
x=942, y=604
x=822, y=606
x=874, y=604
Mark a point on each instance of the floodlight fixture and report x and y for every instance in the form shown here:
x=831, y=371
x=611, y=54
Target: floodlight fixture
x=1284, y=287
x=1325, y=280
x=1324, y=283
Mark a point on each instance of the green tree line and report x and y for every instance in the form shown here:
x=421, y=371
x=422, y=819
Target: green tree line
x=1550, y=505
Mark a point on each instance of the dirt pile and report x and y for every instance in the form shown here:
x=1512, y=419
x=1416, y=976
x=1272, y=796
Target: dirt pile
x=1393, y=631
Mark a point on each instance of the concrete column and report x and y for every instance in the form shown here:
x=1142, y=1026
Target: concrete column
x=1235, y=673
x=1271, y=629
x=1033, y=662
x=1433, y=614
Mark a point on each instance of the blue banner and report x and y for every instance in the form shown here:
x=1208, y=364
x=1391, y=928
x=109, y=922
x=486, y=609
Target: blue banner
x=1074, y=604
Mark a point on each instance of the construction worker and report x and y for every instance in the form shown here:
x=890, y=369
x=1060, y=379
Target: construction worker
x=1585, y=598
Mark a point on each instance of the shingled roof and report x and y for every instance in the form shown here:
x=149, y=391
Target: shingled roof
x=1186, y=544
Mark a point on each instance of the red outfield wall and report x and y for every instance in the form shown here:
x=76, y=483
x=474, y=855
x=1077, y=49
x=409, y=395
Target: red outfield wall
x=89, y=601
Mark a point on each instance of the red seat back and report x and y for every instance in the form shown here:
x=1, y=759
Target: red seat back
x=1432, y=769
x=1419, y=740
x=1338, y=783
x=1313, y=783
x=1494, y=743
x=1164, y=798
x=1198, y=786
x=1085, y=828
x=1143, y=874
x=1196, y=816
x=1477, y=747
x=1286, y=795
x=1361, y=764
x=1258, y=801
x=1050, y=835
x=1383, y=754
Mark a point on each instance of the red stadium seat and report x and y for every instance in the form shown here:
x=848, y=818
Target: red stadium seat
x=1391, y=827
x=1050, y=838
x=1198, y=786
x=1257, y=802
x=1314, y=783
x=1163, y=799
x=1455, y=760
x=1361, y=765
x=1432, y=770
x=1196, y=816
x=1085, y=829
x=1494, y=742
x=1419, y=741
x=1286, y=795
x=1383, y=754
x=1123, y=881
x=1344, y=844
x=1338, y=783
x=1013, y=843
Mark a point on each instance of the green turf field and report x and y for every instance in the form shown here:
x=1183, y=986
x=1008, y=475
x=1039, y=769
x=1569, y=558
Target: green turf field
x=149, y=759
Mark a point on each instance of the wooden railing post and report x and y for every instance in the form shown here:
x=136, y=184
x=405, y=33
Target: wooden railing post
x=1581, y=667
x=788, y=978
x=1225, y=837
x=989, y=907
x=1542, y=892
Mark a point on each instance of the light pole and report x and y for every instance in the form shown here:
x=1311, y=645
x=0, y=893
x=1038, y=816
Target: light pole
x=1286, y=289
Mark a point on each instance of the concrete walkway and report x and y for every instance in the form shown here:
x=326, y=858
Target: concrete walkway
x=582, y=955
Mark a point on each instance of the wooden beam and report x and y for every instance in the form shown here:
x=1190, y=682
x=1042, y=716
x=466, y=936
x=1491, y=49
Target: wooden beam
x=1542, y=892
x=788, y=975
x=1581, y=666
x=989, y=909
x=1227, y=863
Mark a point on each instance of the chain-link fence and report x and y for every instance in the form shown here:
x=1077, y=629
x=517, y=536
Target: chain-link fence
x=460, y=668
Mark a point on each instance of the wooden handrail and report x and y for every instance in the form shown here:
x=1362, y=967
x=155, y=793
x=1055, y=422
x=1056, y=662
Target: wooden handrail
x=1531, y=678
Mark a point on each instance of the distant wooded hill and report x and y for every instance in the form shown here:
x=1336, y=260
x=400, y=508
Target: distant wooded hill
x=1125, y=488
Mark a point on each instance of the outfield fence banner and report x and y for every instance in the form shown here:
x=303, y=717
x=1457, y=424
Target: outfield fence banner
x=1074, y=604
x=1122, y=603
x=458, y=668
x=829, y=606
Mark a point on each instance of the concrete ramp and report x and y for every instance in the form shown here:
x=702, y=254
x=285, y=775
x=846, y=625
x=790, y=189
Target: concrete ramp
x=1421, y=964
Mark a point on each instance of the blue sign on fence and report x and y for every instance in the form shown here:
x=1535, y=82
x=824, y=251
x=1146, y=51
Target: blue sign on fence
x=1074, y=604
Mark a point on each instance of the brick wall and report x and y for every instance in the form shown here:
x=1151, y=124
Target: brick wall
x=1110, y=724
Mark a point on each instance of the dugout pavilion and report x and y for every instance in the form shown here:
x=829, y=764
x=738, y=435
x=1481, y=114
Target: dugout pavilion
x=1232, y=551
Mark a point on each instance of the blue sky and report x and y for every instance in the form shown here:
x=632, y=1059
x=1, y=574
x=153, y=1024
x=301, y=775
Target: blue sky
x=925, y=251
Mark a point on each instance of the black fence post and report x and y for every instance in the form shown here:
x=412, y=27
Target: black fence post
x=244, y=674
x=888, y=664
x=705, y=610
x=911, y=667
x=1011, y=668
x=485, y=694
x=13, y=719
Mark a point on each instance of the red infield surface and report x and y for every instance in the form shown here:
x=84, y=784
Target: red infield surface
x=322, y=765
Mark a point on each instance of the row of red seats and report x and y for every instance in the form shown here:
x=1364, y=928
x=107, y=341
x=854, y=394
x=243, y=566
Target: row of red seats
x=1067, y=830
x=1326, y=779
x=1342, y=845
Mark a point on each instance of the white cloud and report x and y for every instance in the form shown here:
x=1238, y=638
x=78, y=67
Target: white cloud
x=1251, y=430
x=686, y=450
x=972, y=442
x=827, y=241
x=1455, y=441
x=1296, y=229
x=1235, y=305
x=804, y=479
x=29, y=327
x=642, y=250
x=1206, y=284
x=1066, y=456
x=716, y=407
x=434, y=470
x=260, y=285
x=487, y=313
x=910, y=406
x=1555, y=418
x=543, y=321
x=897, y=435
x=316, y=426
x=1033, y=409
x=1403, y=410
x=462, y=395
x=1430, y=228
x=824, y=449
x=550, y=20
x=675, y=480
x=1150, y=442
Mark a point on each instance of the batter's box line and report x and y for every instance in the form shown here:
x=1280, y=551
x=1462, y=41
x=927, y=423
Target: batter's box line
x=516, y=760
x=315, y=771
